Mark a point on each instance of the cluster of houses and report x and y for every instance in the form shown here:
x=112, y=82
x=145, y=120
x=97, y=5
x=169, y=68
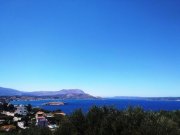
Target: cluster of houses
x=40, y=118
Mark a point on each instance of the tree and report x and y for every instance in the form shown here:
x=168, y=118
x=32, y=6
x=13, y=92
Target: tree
x=29, y=107
x=5, y=106
x=66, y=128
x=11, y=108
x=78, y=120
x=36, y=131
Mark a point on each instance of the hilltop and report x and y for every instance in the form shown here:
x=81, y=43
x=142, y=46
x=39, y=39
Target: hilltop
x=64, y=93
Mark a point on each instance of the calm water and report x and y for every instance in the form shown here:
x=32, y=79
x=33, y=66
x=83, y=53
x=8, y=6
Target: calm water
x=118, y=103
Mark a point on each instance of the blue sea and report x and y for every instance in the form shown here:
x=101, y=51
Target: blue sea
x=85, y=105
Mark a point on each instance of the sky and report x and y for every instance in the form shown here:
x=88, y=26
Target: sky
x=104, y=47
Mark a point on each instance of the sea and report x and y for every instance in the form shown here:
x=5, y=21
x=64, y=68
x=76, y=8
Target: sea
x=85, y=105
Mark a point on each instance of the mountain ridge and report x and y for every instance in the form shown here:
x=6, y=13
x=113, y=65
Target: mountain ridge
x=146, y=98
x=64, y=93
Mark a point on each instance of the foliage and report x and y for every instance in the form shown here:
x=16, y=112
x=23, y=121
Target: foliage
x=131, y=121
x=29, y=107
x=66, y=128
x=7, y=107
x=78, y=120
x=36, y=131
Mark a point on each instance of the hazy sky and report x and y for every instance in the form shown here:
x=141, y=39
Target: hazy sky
x=105, y=47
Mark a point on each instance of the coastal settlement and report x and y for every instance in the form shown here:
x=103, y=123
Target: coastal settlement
x=19, y=117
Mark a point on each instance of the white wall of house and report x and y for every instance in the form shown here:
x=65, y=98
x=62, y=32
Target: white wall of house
x=21, y=110
x=8, y=113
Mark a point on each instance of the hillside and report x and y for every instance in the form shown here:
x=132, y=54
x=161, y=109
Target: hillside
x=64, y=93
x=10, y=92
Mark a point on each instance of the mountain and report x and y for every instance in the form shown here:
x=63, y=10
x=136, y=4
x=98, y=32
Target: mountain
x=10, y=92
x=126, y=97
x=146, y=98
x=54, y=93
x=64, y=93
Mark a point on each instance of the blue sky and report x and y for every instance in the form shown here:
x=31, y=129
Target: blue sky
x=105, y=47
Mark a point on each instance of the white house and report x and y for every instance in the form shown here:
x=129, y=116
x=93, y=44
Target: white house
x=21, y=125
x=8, y=113
x=21, y=110
x=16, y=119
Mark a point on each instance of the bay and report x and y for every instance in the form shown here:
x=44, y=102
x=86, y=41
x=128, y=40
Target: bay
x=85, y=105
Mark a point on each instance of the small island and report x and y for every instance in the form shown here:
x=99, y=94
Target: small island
x=54, y=103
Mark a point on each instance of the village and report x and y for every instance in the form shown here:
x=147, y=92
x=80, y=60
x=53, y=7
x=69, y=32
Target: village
x=20, y=117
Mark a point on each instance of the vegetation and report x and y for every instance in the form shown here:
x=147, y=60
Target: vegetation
x=7, y=107
x=110, y=121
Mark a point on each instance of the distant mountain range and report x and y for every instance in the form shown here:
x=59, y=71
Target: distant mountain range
x=73, y=94
x=64, y=94
x=146, y=98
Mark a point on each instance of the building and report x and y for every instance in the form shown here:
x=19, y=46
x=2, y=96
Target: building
x=21, y=125
x=8, y=113
x=52, y=127
x=59, y=113
x=15, y=119
x=21, y=110
x=41, y=120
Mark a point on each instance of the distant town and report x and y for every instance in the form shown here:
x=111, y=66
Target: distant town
x=18, y=117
